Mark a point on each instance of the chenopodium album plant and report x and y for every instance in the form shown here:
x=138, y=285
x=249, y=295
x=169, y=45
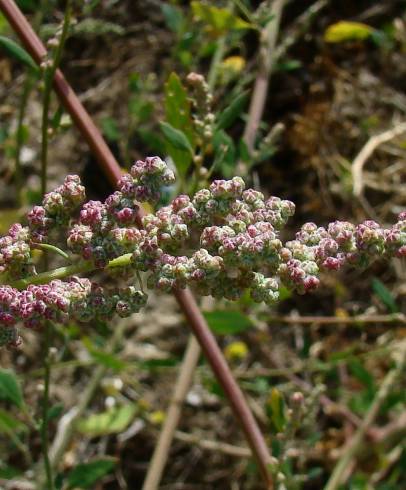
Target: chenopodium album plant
x=222, y=241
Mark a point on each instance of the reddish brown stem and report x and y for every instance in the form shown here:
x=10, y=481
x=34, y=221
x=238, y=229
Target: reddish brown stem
x=185, y=298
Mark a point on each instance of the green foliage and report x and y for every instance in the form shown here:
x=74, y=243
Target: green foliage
x=18, y=53
x=232, y=112
x=177, y=139
x=106, y=359
x=10, y=389
x=276, y=410
x=111, y=421
x=177, y=129
x=219, y=20
x=85, y=475
x=227, y=322
x=174, y=17
x=8, y=423
x=110, y=129
x=384, y=295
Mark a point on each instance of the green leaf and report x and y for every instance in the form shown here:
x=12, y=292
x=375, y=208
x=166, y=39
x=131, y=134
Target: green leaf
x=28, y=4
x=112, y=421
x=177, y=106
x=55, y=411
x=233, y=111
x=347, y=31
x=176, y=137
x=178, y=115
x=384, y=295
x=9, y=472
x=359, y=372
x=276, y=406
x=174, y=17
x=110, y=129
x=17, y=52
x=10, y=389
x=56, y=118
x=85, y=475
x=8, y=423
x=227, y=322
x=109, y=360
x=220, y=20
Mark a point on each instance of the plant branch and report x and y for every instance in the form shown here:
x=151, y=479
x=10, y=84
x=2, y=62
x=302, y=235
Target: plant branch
x=45, y=406
x=49, y=75
x=370, y=146
x=216, y=446
x=266, y=58
x=399, y=318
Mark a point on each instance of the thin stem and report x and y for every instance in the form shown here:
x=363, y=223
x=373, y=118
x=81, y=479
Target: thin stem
x=46, y=100
x=52, y=248
x=48, y=276
x=266, y=59
x=69, y=270
x=48, y=81
x=45, y=406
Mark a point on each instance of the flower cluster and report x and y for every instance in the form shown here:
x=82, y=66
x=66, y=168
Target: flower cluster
x=58, y=301
x=222, y=241
x=201, y=99
x=107, y=230
x=317, y=248
x=57, y=208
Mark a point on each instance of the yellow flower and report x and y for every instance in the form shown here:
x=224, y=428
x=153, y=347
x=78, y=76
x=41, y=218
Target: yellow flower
x=236, y=351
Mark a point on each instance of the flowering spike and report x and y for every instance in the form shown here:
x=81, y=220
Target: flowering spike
x=222, y=241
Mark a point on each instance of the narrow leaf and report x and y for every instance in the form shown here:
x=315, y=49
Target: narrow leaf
x=233, y=111
x=178, y=115
x=227, y=322
x=174, y=17
x=10, y=389
x=109, y=360
x=384, y=295
x=176, y=137
x=17, y=52
x=85, y=475
x=8, y=423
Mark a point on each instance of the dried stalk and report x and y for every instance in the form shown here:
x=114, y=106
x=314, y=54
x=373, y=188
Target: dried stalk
x=183, y=383
x=398, y=318
x=367, y=150
x=266, y=59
